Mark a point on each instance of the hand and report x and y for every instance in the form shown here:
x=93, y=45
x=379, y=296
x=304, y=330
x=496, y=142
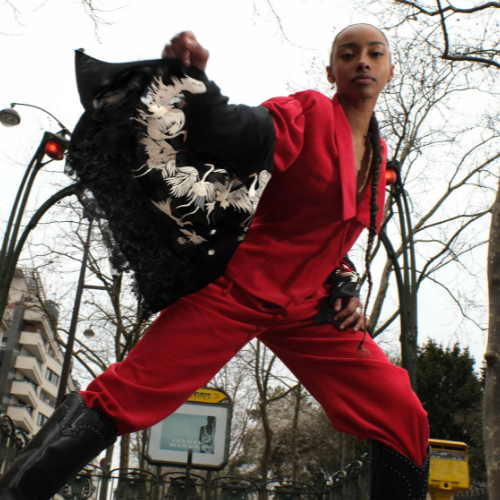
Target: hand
x=346, y=311
x=185, y=47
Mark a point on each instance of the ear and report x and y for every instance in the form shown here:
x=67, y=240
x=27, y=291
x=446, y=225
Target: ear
x=329, y=74
x=391, y=74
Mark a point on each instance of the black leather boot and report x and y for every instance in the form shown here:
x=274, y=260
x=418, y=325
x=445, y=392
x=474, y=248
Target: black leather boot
x=68, y=441
x=395, y=477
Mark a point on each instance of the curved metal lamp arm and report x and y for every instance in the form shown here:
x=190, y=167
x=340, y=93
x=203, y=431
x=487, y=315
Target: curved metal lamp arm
x=64, y=129
x=13, y=257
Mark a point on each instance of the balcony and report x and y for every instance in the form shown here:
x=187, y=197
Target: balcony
x=21, y=417
x=33, y=342
x=30, y=367
x=39, y=317
x=45, y=408
x=50, y=389
x=25, y=392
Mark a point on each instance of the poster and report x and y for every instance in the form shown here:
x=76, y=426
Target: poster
x=204, y=427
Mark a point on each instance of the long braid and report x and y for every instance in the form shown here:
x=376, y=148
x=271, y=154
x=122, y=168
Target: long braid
x=374, y=135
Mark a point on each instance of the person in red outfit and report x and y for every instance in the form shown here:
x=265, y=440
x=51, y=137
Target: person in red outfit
x=327, y=185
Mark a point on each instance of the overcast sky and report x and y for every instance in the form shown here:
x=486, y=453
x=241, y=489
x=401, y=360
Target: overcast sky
x=249, y=60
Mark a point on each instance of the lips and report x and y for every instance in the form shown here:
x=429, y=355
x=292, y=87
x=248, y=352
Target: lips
x=363, y=78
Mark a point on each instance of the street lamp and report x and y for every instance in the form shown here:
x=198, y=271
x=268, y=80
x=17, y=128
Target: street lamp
x=54, y=146
x=406, y=276
x=10, y=117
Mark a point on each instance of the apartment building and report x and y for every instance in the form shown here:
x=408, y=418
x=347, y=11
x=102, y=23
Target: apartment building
x=30, y=358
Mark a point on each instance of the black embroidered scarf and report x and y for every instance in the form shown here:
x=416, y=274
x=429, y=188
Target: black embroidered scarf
x=174, y=169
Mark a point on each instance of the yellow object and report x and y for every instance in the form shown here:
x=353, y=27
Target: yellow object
x=449, y=472
x=208, y=396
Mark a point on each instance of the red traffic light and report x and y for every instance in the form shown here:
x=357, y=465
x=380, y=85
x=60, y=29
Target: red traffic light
x=54, y=150
x=391, y=176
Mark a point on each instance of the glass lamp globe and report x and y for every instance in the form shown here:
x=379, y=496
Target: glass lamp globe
x=89, y=333
x=9, y=117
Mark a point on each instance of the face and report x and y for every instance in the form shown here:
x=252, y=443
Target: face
x=361, y=62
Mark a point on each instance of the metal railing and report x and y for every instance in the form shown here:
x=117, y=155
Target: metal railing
x=12, y=442
x=473, y=494
x=137, y=484
x=93, y=483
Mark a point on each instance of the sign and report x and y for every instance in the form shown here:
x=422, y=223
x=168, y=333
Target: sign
x=203, y=423
x=208, y=396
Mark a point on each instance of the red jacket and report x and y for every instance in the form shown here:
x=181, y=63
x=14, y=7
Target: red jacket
x=307, y=218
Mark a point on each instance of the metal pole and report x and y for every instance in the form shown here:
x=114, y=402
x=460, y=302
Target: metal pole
x=188, y=471
x=208, y=486
x=16, y=216
x=65, y=130
x=8, y=254
x=406, y=278
x=408, y=335
x=74, y=319
x=10, y=266
x=413, y=319
x=399, y=279
x=106, y=473
x=157, y=483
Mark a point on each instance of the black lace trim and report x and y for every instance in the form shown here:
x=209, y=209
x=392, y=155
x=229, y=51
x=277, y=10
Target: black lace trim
x=103, y=157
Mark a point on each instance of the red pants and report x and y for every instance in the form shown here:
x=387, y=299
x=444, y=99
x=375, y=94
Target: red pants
x=363, y=395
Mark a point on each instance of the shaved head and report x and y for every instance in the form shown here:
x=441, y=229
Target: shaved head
x=352, y=26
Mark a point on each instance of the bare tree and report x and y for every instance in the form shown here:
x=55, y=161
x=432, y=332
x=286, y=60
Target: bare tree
x=491, y=421
x=468, y=37
x=265, y=376
x=96, y=10
x=467, y=34
x=114, y=319
x=449, y=156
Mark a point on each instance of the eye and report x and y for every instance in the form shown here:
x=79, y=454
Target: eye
x=377, y=54
x=347, y=55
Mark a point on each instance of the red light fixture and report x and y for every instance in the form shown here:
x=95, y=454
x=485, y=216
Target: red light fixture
x=54, y=150
x=391, y=176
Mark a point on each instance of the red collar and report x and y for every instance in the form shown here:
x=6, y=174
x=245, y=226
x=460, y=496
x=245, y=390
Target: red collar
x=343, y=140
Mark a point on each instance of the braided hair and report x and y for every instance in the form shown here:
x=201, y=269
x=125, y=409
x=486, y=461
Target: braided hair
x=374, y=136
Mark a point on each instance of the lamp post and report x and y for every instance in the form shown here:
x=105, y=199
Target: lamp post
x=76, y=311
x=406, y=276
x=53, y=146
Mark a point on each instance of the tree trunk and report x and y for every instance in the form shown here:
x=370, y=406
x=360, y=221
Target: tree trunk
x=142, y=447
x=492, y=389
x=268, y=438
x=295, y=453
x=380, y=298
x=348, y=450
x=124, y=451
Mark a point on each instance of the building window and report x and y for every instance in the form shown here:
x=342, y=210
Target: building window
x=45, y=398
x=41, y=419
x=52, y=377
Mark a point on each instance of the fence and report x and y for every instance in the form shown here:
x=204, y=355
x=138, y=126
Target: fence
x=135, y=484
x=93, y=483
x=12, y=442
x=474, y=494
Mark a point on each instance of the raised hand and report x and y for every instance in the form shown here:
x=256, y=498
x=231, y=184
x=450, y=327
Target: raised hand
x=185, y=47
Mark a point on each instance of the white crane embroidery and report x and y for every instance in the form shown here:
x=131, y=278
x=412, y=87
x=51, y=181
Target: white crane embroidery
x=165, y=121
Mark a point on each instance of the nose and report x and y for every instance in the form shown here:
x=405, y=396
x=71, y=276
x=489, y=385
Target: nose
x=363, y=65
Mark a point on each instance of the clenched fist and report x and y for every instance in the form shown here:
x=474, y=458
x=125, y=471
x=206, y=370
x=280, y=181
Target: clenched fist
x=185, y=47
